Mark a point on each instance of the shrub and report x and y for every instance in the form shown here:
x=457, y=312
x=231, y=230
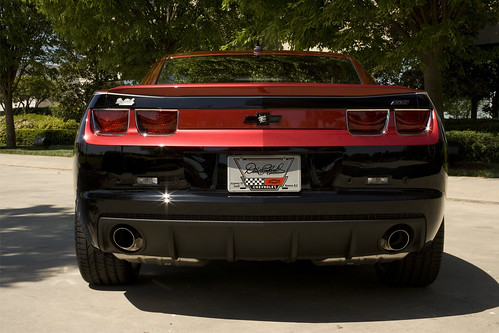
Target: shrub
x=61, y=137
x=476, y=146
x=40, y=110
x=68, y=113
x=479, y=125
x=30, y=126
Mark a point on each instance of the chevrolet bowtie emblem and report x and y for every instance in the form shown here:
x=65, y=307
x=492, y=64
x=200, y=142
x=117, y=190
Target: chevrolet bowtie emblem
x=262, y=118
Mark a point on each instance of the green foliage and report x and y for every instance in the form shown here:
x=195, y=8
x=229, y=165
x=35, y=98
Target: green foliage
x=127, y=37
x=38, y=121
x=26, y=137
x=476, y=146
x=79, y=77
x=44, y=111
x=25, y=41
x=464, y=169
x=33, y=88
x=380, y=33
x=70, y=109
x=462, y=67
x=477, y=125
x=24, y=36
x=30, y=126
x=53, y=150
x=482, y=68
x=457, y=108
x=387, y=35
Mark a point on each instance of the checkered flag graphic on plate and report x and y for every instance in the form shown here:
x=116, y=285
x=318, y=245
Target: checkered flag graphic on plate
x=254, y=181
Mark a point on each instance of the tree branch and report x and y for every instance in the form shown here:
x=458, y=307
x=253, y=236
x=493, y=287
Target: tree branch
x=418, y=19
x=460, y=11
x=434, y=12
x=444, y=10
x=397, y=27
x=424, y=18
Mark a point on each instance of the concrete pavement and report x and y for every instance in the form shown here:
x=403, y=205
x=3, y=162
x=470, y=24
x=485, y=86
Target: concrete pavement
x=41, y=289
x=42, y=162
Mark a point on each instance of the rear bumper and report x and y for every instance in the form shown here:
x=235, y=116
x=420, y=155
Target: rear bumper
x=190, y=214
x=310, y=225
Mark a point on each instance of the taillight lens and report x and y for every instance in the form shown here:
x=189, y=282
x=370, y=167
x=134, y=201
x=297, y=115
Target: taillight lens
x=156, y=122
x=110, y=122
x=412, y=122
x=367, y=122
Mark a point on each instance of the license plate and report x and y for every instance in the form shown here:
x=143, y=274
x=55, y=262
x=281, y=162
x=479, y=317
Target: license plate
x=264, y=173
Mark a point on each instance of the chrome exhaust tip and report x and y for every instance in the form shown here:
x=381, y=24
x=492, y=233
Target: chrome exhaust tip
x=396, y=238
x=127, y=239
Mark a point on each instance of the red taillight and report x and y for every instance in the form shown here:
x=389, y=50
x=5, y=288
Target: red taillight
x=413, y=122
x=110, y=122
x=156, y=122
x=367, y=122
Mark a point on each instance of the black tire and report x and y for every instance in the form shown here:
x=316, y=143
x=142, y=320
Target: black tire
x=99, y=268
x=418, y=269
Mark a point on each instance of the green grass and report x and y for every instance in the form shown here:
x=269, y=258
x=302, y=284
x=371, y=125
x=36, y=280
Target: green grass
x=475, y=169
x=64, y=151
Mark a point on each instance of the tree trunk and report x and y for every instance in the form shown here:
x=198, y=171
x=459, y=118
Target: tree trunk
x=9, y=120
x=474, y=107
x=432, y=72
x=495, y=105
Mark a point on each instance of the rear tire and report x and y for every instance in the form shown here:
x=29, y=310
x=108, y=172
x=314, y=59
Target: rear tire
x=99, y=268
x=418, y=269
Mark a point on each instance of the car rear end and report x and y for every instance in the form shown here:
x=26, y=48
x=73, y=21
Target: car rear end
x=329, y=172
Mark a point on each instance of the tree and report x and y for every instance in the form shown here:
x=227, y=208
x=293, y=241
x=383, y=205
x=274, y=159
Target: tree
x=127, y=37
x=473, y=80
x=78, y=79
x=382, y=33
x=35, y=86
x=25, y=38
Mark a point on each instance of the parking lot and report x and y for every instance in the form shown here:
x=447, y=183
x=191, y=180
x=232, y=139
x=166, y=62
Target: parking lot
x=41, y=289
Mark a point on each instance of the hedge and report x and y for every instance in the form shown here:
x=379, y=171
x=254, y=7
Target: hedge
x=478, y=125
x=61, y=137
x=30, y=126
x=475, y=146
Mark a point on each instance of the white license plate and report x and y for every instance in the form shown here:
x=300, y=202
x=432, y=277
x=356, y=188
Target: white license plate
x=264, y=173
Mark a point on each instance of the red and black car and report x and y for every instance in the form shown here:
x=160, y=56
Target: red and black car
x=260, y=156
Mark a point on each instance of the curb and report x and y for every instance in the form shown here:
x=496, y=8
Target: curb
x=39, y=162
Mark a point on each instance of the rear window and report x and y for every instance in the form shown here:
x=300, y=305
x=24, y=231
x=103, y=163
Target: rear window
x=258, y=68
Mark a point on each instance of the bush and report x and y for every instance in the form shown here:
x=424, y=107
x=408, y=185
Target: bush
x=476, y=146
x=30, y=126
x=44, y=110
x=68, y=113
x=61, y=137
x=479, y=125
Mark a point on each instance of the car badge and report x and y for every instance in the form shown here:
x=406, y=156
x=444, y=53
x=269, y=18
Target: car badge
x=262, y=118
x=400, y=102
x=125, y=102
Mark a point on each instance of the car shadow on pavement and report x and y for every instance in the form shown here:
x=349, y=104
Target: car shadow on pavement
x=35, y=243
x=301, y=292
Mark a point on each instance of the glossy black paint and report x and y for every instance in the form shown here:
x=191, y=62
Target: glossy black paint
x=334, y=191
x=263, y=102
x=337, y=213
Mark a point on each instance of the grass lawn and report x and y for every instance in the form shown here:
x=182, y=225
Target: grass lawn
x=65, y=151
x=475, y=169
